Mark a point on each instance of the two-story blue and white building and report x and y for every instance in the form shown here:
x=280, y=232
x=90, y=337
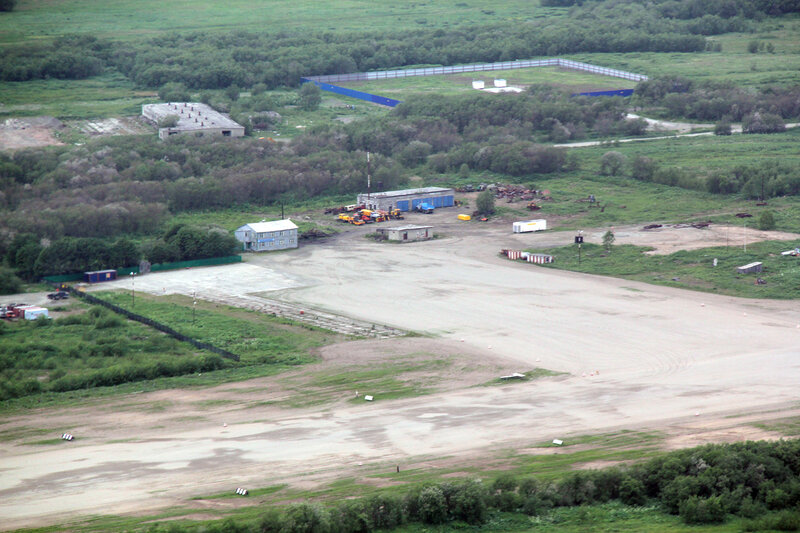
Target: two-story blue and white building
x=265, y=236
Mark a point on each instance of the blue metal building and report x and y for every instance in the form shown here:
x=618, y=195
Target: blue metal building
x=407, y=199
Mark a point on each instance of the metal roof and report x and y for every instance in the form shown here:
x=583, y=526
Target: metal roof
x=404, y=228
x=407, y=192
x=265, y=227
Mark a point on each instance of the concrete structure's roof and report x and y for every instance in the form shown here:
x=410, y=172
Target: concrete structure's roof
x=195, y=116
x=405, y=228
x=406, y=192
x=265, y=227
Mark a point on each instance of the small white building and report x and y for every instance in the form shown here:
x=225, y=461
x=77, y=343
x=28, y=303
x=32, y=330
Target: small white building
x=267, y=236
x=406, y=233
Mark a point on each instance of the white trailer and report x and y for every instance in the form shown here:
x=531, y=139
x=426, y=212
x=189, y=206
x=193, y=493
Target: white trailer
x=34, y=312
x=526, y=226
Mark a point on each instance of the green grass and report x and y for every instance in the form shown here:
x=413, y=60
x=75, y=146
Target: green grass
x=575, y=81
x=256, y=337
x=102, y=96
x=693, y=269
x=789, y=427
x=702, y=153
x=732, y=65
x=34, y=20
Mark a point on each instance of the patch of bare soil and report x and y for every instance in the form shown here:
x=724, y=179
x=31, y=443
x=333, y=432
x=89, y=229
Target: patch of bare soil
x=719, y=436
x=32, y=132
x=675, y=237
x=113, y=126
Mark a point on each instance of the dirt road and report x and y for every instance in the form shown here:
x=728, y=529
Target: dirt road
x=637, y=356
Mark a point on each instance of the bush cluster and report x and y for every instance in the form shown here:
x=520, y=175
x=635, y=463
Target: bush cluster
x=765, y=180
x=92, y=349
x=762, y=111
x=755, y=480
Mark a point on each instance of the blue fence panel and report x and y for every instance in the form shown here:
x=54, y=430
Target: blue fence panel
x=352, y=93
x=617, y=92
x=402, y=205
x=438, y=201
x=415, y=202
x=447, y=201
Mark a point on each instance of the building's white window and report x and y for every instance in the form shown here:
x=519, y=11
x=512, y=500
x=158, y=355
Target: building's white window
x=281, y=242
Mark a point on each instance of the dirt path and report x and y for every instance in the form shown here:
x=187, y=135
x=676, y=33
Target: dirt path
x=683, y=129
x=637, y=356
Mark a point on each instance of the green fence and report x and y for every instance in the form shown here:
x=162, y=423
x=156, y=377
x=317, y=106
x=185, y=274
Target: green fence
x=63, y=277
x=228, y=259
x=197, y=263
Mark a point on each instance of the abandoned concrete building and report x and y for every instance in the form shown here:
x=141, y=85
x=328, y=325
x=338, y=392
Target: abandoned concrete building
x=192, y=118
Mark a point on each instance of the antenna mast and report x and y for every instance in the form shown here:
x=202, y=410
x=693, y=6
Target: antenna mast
x=368, y=180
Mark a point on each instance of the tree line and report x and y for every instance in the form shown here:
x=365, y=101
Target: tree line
x=246, y=59
x=32, y=257
x=680, y=97
x=768, y=179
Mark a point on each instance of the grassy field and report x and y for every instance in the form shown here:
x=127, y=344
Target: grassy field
x=102, y=96
x=693, y=269
x=575, y=81
x=702, y=153
x=120, y=19
x=255, y=337
x=734, y=64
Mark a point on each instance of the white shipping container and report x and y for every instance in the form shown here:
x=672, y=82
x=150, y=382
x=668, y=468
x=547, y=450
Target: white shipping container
x=526, y=226
x=32, y=313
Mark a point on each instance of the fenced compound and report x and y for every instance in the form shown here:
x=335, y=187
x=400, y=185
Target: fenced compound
x=155, y=325
x=324, y=82
x=477, y=67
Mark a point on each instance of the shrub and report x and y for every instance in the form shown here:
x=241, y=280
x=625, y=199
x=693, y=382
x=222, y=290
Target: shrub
x=766, y=221
x=696, y=510
x=485, y=203
x=608, y=240
x=632, y=491
x=174, y=92
x=504, y=494
x=307, y=518
x=169, y=121
x=469, y=502
x=273, y=521
x=723, y=127
x=9, y=282
x=347, y=517
x=432, y=505
x=611, y=163
x=643, y=168
x=384, y=512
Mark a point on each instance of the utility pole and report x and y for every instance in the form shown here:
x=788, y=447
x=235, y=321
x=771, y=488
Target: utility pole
x=133, y=290
x=368, y=180
x=745, y=235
